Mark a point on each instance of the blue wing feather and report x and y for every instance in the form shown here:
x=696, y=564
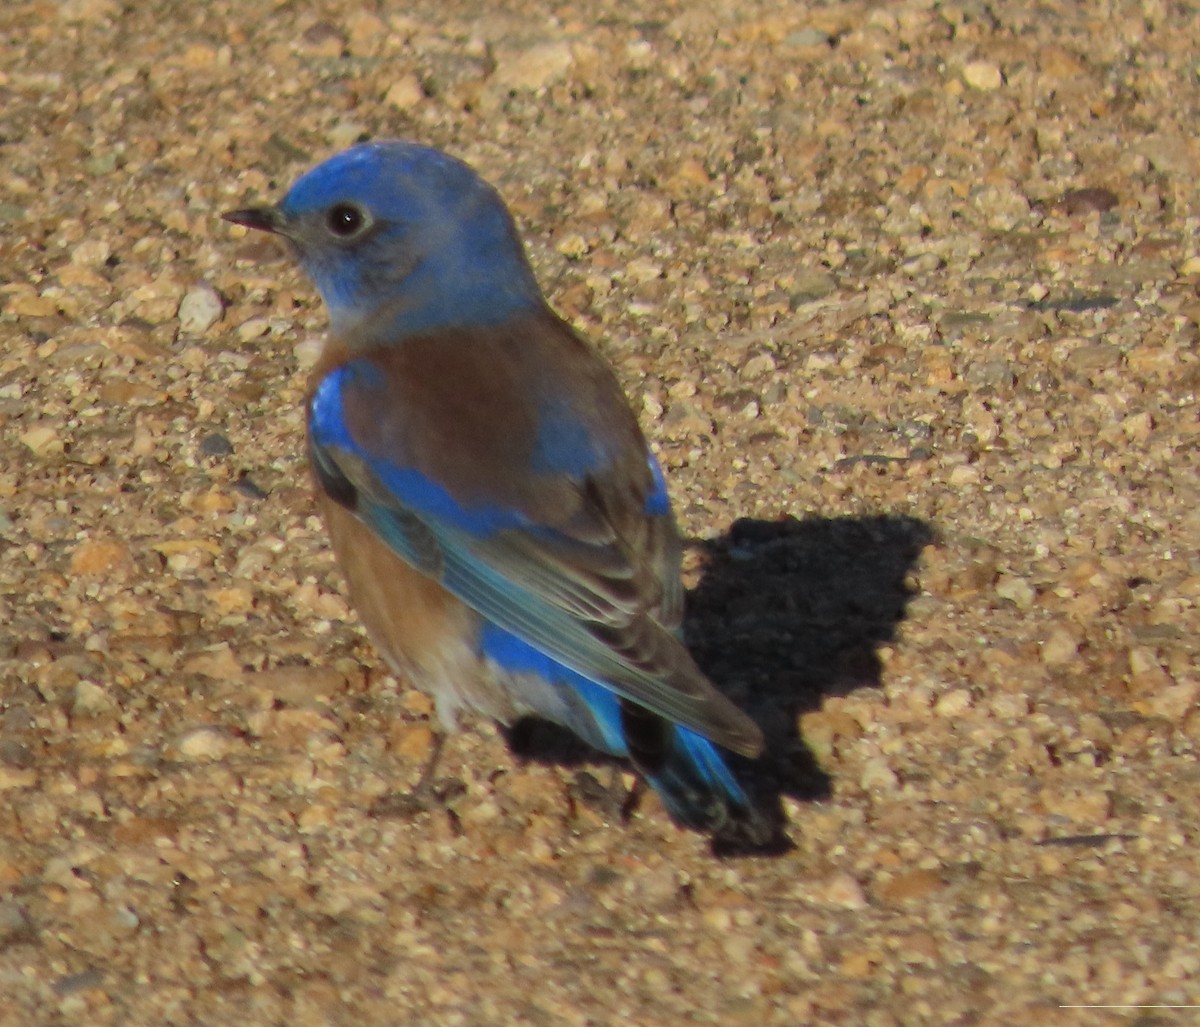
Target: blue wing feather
x=574, y=599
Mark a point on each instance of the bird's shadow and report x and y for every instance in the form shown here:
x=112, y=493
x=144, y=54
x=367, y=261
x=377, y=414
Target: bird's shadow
x=786, y=613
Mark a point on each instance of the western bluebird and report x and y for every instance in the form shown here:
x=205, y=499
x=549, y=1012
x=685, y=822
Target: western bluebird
x=505, y=531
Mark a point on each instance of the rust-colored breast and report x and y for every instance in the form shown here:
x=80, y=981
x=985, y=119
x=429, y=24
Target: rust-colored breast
x=426, y=635
x=407, y=613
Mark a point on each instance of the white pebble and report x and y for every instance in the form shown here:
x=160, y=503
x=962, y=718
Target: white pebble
x=200, y=309
x=982, y=75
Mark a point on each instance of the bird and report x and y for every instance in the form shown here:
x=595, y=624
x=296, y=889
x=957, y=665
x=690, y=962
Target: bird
x=504, y=529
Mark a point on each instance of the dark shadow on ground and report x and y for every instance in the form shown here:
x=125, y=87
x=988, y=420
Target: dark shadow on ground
x=787, y=613
x=790, y=612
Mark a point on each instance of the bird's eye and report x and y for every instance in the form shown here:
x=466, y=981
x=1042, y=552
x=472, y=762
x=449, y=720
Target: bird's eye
x=345, y=220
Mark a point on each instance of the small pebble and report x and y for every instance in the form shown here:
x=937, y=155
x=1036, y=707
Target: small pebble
x=405, y=93
x=42, y=440
x=532, y=68
x=1088, y=201
x=215, y=444
x=249, y=488
x=982, y=75
x=200, y=308
x=1059, y=648
x=205, y=743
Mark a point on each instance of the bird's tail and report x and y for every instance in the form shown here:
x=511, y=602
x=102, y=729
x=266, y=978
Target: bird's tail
x=691, y=775
x=693, y=778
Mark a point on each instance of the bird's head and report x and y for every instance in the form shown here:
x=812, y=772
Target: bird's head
x=401, y=238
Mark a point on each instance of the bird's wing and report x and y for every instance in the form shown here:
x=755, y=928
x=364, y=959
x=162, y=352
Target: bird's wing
x=509, y=468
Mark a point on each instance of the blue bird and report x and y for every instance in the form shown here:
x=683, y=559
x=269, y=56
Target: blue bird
x=504, y=529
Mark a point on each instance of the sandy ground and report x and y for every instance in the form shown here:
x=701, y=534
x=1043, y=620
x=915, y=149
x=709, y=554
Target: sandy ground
x=906, y=295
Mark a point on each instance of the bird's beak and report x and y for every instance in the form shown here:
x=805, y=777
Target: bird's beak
x=265, y=219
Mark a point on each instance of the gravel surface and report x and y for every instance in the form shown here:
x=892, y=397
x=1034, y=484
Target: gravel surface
x=907, y=295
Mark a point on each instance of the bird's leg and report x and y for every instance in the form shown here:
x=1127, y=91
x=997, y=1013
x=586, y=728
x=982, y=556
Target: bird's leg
x=422, y=797
x=634, y=798
x=611, y=800
x=423, y=789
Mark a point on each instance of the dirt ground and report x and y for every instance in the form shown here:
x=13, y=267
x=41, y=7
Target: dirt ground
x=907, y=295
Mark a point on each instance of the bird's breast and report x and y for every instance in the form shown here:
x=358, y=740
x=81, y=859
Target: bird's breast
x=428, y=637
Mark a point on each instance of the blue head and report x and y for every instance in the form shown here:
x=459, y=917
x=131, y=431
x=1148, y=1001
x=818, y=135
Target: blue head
x=401, y=239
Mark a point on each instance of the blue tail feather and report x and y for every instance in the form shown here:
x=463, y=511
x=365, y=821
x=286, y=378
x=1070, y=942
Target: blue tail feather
x=692, y=777
x=695, y=783
x=690, y=774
